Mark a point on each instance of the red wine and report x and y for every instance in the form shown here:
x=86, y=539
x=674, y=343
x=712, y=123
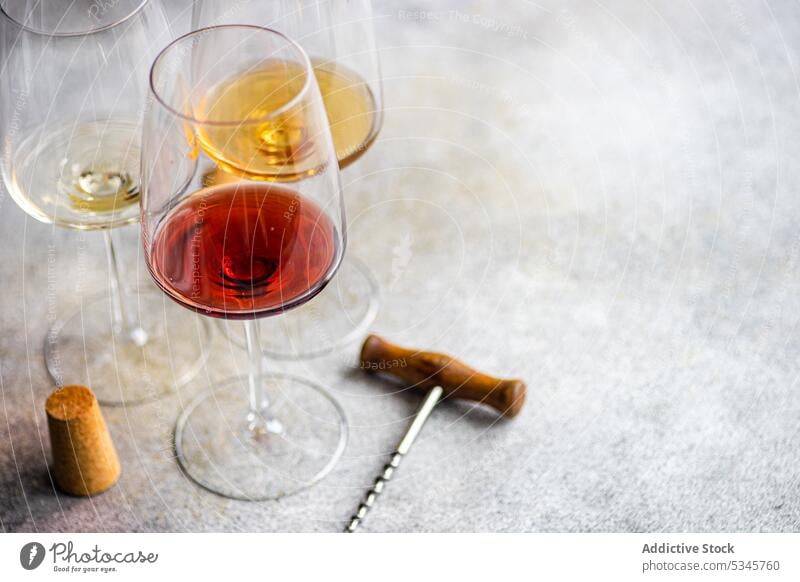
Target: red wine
x=242, y=250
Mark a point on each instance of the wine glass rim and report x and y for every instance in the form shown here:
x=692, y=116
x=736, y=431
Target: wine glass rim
x=307, y=70
x=73, y=33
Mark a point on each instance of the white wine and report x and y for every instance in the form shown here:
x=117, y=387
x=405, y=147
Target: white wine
x=352, y=111
x=83, y=176
x=275, y=140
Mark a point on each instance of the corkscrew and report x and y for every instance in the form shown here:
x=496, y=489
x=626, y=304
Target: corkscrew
x=442, y=376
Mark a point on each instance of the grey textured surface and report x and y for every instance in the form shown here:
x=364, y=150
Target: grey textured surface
x=598, y=198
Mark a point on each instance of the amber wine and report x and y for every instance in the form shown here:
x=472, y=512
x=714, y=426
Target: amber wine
x=82, y=175
x=279, y=141
x=352, y=112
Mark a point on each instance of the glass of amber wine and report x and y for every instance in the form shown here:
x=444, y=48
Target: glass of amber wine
x=338, y=36
x=74, y=87
x=242, y=219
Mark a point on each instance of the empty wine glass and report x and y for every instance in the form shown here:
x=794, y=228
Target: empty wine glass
x=242, y=218
x=338, y=36
x=74, y=78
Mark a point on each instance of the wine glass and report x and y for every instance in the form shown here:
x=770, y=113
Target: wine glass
x=339, y=37
x=74, y=78
x=242, y=218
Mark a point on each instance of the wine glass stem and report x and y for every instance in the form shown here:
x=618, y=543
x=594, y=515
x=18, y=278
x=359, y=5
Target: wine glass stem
x=259, y=420
x=119, y=312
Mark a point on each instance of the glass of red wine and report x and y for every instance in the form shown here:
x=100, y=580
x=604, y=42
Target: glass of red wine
x=243, y=218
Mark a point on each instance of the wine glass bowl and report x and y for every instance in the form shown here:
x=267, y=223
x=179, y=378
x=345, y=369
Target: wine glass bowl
x=82, y=175
x=339, y=38
x=278, y=146
x=261, y=250
x=77, y=18
x=71, y=124
x=242, y=218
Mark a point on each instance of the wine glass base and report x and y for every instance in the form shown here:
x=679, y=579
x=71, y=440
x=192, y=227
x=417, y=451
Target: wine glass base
x=217, y=451
x=167, y=350
x=338, y=316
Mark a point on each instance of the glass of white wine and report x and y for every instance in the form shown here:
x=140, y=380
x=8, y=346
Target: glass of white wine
x=339, y=37
x=74, y=87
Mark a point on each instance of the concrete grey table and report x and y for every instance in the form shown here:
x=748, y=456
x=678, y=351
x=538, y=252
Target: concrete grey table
x=600, y=198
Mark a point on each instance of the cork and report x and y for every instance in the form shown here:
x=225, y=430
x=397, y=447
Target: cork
x=84, y=459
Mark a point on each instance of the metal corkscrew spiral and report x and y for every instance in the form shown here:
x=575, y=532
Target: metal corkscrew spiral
x=372, y=494
x=394, y=462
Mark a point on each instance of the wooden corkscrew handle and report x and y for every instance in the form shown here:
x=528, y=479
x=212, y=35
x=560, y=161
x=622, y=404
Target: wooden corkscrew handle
x=427, y=369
